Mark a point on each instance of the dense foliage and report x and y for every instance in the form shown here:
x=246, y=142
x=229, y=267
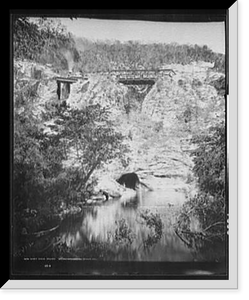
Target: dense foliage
x=47, y=41
x=209, y=160
x=53, y=162
x=202, y=221
x=43, y=40
x=105, y=56
x=55, y=154
x=220, y=85
x=89, y=139
x=85, y=138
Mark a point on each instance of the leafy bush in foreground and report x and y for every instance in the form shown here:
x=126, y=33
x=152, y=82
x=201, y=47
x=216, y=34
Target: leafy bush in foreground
x=209, y=160
x=201, y=223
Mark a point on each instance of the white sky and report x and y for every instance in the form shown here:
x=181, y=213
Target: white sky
x=211, y=34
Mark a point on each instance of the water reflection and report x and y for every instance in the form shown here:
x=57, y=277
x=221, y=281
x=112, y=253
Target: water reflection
x=137, y=229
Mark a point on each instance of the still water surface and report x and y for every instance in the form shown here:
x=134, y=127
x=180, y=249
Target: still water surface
x=116, y=229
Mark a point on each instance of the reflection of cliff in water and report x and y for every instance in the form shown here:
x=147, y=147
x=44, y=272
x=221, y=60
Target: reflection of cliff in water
x=116, y=231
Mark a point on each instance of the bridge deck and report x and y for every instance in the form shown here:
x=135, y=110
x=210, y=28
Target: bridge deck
x=140, y=76
x=66, y=79
x=135, y=76
x=136, y=81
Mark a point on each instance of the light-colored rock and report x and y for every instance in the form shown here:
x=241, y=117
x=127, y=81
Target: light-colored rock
x=128, y=195
x=157, y=135
x=109, y=185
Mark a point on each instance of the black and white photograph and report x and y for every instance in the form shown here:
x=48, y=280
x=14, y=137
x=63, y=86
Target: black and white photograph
x=120, y=154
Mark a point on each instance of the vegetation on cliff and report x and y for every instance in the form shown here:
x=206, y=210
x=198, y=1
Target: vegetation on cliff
x=43, y=40
x=57, y=149
x=202, y=222
x=105, y=56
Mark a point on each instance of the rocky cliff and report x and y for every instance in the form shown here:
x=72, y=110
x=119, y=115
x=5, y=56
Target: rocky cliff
x=158, y=125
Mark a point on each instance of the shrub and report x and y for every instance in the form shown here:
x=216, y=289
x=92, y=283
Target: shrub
x=201, y=223
x=91, y=137
x=220, y=85
x=123, y=234
x=154, y=222
x=209, y=160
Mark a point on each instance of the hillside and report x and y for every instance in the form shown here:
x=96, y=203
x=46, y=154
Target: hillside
x=157, y=131
x=106, y=55
x=69, y=152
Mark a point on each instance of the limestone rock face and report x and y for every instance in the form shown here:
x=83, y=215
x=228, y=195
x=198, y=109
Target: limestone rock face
x=158, y=126
x=189, y=89
x=159, y=135
x=97, y=90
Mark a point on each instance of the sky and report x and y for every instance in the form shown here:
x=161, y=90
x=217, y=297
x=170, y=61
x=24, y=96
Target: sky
x=211, y=34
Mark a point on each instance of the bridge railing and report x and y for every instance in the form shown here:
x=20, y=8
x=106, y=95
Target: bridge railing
x=135, y=73
x=141, y=74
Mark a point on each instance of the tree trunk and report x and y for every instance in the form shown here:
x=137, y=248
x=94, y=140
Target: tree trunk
x=84, y=181
x=90, y=172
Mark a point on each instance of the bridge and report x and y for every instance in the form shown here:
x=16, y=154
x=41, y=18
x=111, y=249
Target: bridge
x=126, y=76
x=140, y=76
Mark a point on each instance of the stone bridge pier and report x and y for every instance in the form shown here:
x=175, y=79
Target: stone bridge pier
x=64, y=87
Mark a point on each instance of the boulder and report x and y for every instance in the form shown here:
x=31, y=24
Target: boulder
x=110, y=186
x=128, y=195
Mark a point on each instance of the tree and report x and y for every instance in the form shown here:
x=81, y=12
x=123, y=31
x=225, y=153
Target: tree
x=90, y=140
x=27, y=40
x=43, y=40
x=209, y=160
x=106, y=55
x=37, y=159
x=202, y=221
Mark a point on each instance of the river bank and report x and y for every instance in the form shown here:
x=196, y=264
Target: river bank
x=142, y=228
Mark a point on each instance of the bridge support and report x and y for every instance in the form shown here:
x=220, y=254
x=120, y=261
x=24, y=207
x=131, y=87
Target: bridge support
x=135, y=96
x=64, y=87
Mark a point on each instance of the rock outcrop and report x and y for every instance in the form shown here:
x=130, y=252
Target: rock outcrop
x=98, y=89
x=158, y=128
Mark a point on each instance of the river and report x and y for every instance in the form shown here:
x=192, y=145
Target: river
x=139, y=228
x=123, y=236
